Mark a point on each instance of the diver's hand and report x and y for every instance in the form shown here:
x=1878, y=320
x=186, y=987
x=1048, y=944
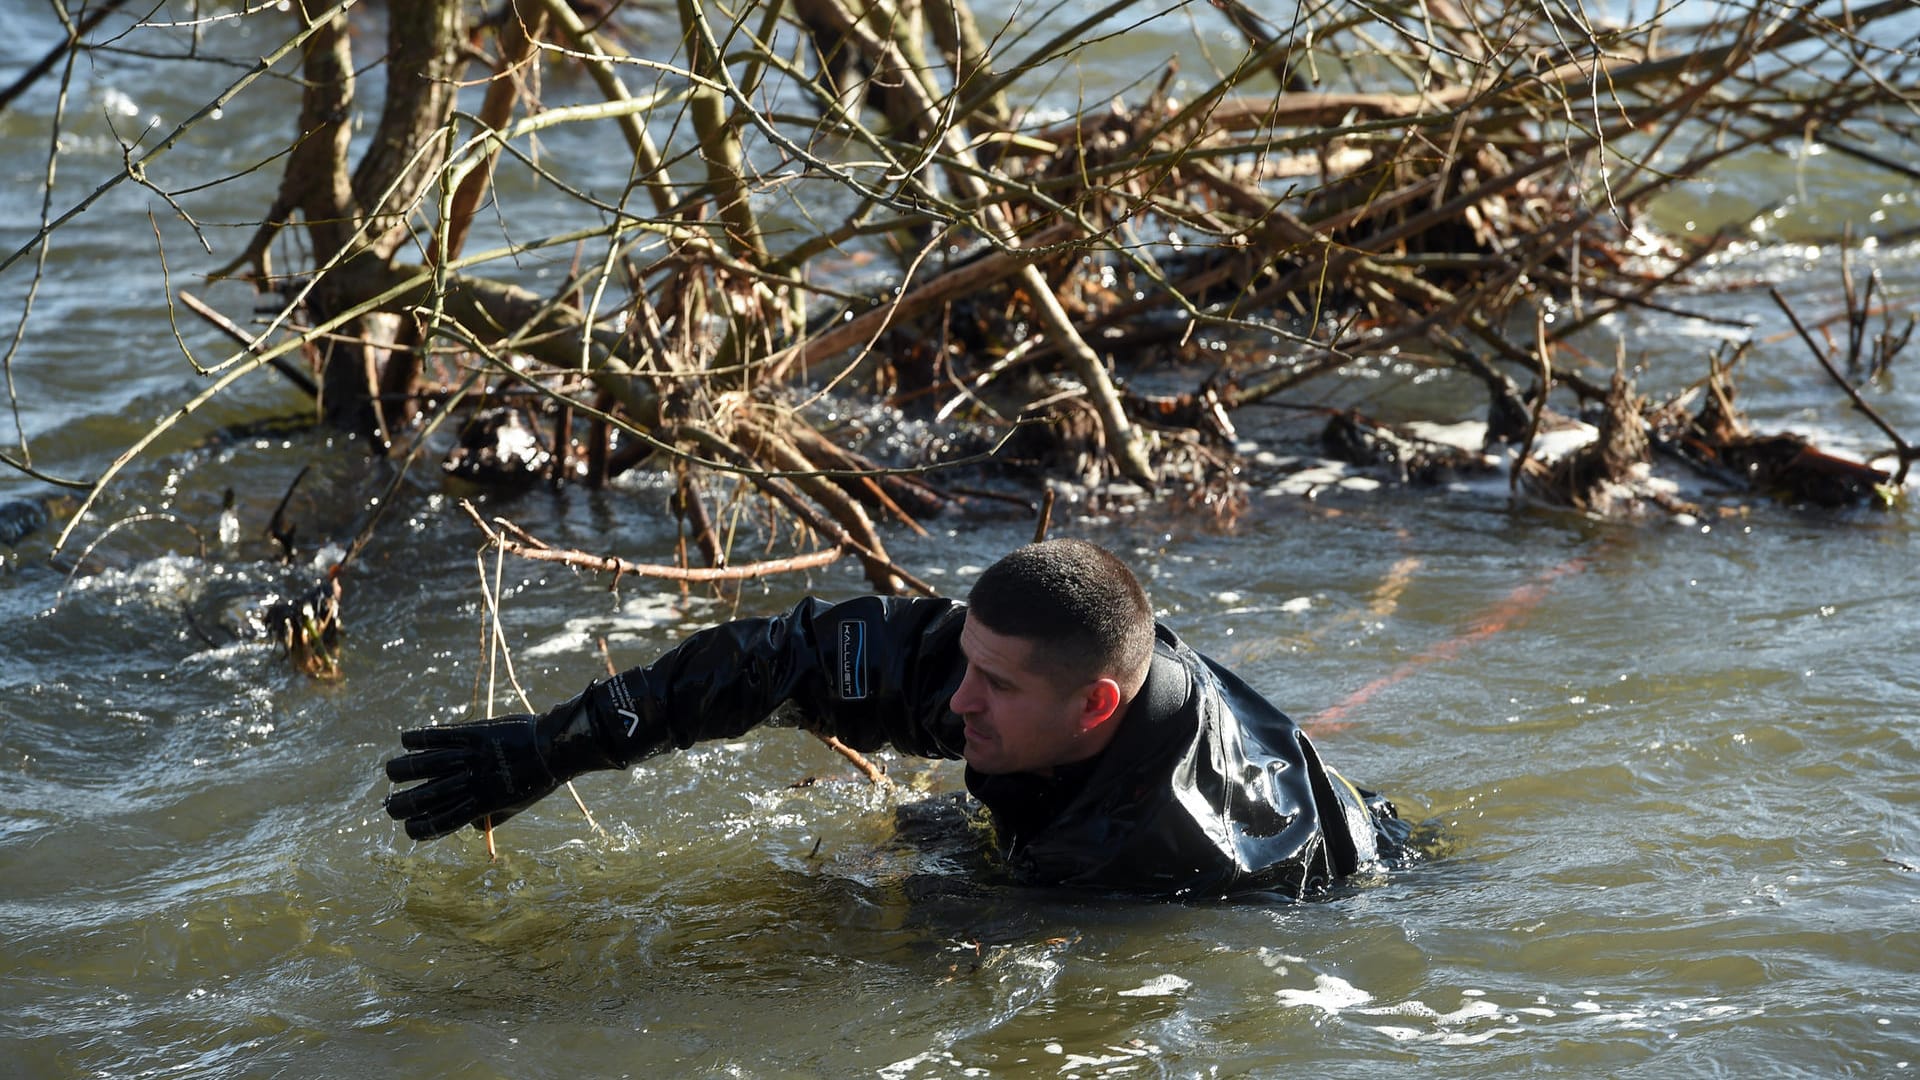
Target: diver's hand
x=477, y=773
x=485, y=771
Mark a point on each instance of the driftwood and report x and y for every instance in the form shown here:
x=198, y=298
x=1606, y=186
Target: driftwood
x=1612, y=475
x=1718, y=441
x=1066, y=303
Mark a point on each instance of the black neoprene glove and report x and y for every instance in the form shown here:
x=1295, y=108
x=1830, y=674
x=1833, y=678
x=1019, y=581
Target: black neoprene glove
x=491, y=769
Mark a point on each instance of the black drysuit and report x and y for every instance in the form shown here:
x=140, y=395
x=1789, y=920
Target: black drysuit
x=1206, y=788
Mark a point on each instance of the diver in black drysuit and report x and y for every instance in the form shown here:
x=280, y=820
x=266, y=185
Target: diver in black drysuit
x=1205, y=790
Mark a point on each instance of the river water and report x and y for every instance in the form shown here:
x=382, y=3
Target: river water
x=1670, y=773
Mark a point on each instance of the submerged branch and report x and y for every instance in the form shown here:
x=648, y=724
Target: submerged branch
x=610, y=564
x=1361, y=184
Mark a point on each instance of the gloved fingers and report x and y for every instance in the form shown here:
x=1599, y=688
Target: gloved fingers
x=426, y=764
x=432, y=826
x=436, y=738
x=429, y=798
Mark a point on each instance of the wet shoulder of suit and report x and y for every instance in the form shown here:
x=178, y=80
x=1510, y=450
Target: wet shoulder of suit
x=1206, y=789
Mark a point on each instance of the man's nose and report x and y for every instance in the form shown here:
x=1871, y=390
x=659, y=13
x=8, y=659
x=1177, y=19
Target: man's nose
x=964, y=699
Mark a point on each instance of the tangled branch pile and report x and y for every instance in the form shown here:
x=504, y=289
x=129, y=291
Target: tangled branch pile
x=1356, y=179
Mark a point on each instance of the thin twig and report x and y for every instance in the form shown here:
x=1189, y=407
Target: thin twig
x=874, y=774
x=616, y=566
x=1543, y=349
x=179, y=132
x=1906, y=452
x=246, y=341
x=497, y=646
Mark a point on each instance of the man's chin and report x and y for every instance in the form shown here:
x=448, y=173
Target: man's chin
x=980, y=761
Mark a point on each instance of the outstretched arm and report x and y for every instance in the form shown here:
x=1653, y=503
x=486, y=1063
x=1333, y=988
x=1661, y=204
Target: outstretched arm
x=870, y=671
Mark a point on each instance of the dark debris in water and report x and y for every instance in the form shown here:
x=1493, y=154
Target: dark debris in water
x=309, y=628
x=1611, y=476
x=1719, y=442
x=1410, y=458
x=498, y=448
x=22, y=518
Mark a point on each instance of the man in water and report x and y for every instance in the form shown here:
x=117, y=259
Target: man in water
x=1110, y=755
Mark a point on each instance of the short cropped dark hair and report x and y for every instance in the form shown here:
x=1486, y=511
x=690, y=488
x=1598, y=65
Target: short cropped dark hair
x=1082, y=608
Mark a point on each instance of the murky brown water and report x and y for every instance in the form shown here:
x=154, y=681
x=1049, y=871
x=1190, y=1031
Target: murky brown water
x=1676, y=770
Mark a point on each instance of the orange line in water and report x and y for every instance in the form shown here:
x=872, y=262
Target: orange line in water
x=1509, y=611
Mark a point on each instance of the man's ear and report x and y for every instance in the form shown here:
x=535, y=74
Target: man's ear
x=1099, y=703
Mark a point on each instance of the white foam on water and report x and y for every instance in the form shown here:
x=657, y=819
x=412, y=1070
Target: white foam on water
x=1158, y=986
x=644, y=611
x=1310, y=479
x=116, y=101
x=1461, y=1027
x=1553, y=445
x=1479, y=1018
x=1127, y=1056
x=1471, y=1009
x=1444, y=1038
x=1330, y=994
x=1465, y=435
x=907, y=1066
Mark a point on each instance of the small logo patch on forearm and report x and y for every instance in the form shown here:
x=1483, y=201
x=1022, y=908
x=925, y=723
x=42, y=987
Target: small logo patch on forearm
x=853, y=660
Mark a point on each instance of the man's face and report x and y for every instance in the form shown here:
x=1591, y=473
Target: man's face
x=1017, y=718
